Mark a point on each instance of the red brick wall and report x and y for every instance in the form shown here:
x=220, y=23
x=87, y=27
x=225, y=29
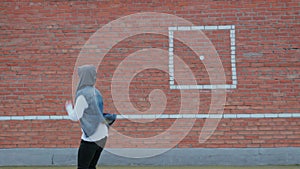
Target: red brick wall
x=41, y=40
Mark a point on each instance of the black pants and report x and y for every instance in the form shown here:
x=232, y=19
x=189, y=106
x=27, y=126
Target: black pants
x=89, y=153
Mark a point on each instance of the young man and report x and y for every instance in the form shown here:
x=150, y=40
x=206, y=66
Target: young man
x=88, y=109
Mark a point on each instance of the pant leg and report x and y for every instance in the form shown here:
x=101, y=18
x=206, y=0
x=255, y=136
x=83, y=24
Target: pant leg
x=95, y=159
x=86, y=153
x=97, y=154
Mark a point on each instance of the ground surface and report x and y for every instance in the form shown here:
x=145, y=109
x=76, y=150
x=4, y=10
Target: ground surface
x=156, y=167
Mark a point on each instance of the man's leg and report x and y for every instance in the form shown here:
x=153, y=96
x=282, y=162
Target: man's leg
x=97, y=154
x=86, y=153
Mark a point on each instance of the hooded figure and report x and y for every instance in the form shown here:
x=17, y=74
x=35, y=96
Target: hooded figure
x=87, y=77
x=93, y=114
x=88, y=109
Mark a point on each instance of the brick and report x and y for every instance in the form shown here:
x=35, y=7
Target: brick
x=38, y=56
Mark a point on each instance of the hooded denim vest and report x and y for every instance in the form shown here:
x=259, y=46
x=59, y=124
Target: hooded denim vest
x=92, y=116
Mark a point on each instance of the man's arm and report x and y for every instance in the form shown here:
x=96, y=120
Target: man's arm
x=80, y=105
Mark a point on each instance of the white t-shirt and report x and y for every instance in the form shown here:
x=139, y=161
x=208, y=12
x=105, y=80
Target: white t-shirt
x=76, y=113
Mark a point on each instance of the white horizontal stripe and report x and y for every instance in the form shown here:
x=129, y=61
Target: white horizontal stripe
x=164, y=116
x=183, y=28
x=187, y=28
x=224, y=26
x=191, y=87
x=197, y=27
x=173, y=28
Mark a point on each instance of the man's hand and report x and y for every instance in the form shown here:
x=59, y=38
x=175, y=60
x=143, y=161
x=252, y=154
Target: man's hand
x=69, y=106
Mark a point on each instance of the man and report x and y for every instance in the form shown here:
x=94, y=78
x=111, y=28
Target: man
x=88, y=109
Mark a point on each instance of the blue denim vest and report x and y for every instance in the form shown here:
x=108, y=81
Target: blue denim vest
x=93, y=115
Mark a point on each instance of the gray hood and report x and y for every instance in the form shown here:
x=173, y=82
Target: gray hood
x=87, y=76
